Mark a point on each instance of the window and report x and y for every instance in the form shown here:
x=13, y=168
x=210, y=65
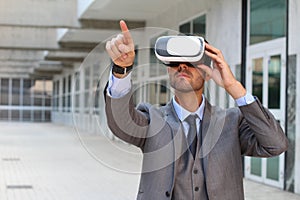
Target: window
x=134, y=71
x=195, y=26
x=64, y=95
x=96, y=88
x=25, y=99
x=4, y=91
x=15, y=92
x=274, y=82
x=27, y=84
x=56, y=95
x=155, y=92
x=68, y=93
x=157, y=68
x=257, y=78
x=77, y=92
x=87, y=81
x=267, y=20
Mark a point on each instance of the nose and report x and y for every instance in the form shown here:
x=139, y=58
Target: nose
x=182, y=66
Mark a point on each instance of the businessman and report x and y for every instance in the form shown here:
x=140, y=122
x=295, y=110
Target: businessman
x=192, y=149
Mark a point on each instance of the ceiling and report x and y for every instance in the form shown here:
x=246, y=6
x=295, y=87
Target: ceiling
x=41, y=38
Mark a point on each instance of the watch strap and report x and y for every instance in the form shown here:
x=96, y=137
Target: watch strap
x=121, y=70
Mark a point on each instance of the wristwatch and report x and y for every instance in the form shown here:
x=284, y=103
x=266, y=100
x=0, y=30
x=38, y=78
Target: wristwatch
x=121, y=70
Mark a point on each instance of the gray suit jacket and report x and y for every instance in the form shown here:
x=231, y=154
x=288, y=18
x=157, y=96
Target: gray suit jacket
x=228, y=134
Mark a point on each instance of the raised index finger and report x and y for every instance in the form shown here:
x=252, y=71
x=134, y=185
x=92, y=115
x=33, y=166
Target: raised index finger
x=125, y=32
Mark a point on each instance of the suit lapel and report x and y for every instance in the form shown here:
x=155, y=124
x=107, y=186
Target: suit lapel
x=212, y=126
x=177, y=129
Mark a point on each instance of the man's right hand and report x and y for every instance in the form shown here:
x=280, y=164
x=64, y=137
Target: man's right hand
x=121, y=48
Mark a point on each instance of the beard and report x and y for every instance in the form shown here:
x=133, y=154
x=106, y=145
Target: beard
x=188, y=82
x=182, y=85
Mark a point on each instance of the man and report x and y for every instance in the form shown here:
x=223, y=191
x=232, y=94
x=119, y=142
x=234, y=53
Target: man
x=177, y=165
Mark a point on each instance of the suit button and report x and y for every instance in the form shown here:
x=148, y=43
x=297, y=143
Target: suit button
x=168, y=194
x=196, y=189
x=195, y=171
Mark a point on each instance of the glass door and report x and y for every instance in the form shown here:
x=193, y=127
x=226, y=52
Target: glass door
x=265, y=79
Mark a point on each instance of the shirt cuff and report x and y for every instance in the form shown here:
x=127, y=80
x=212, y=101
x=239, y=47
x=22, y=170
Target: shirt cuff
x=245, y=100
x=118, y=87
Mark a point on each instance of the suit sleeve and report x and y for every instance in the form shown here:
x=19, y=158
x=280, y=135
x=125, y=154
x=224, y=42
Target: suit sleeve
x=125, y=121
x=260, y=134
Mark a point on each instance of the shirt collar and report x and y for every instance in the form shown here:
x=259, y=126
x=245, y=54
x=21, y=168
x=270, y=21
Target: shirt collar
x=183, y=113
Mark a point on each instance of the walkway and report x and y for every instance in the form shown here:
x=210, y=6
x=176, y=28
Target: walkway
x=52, y=162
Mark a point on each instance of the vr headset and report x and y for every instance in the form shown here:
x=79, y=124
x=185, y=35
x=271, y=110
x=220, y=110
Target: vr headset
x=172, y=50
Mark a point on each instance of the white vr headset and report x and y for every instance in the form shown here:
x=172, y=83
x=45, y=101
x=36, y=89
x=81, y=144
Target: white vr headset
x=173, y=49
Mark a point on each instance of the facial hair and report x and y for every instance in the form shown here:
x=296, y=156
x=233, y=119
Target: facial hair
x=183, y=85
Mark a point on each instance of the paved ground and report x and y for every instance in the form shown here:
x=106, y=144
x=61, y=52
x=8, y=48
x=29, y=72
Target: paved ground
x=53, y=162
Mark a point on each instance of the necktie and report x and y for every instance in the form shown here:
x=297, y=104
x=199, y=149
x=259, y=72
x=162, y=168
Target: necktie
x=192, y=133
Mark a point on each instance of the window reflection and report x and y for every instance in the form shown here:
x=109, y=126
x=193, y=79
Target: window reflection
x=196, y=26
x=25, y=99
x=274, y=82
x=257, y=78
x=267, y=20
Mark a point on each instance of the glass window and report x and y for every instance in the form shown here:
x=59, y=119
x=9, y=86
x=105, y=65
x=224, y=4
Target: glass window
x=55, y=96
x=87, y=97
x=47, y=116
x=64, y=103
x=68, y=95
x=256, y=166
x=3, y=114
x=152, y=93
x=77, y=81
x=37, y=115
x=196, y=26
x=274, y=82
x=4, y=91
x=38, y=95
x=15, y=115
x=69, y=84
x=199, y=25
x=163, y=93
x=87, y=78
x=157, y=68
x=27, y=83
x=134, y=71
x=77, y=90
x=57, y=87
x=26, y=115
x=77, y=99
x=64, y=86
x=96, y=88
x=185, y=28
x=273, y=168
x=86, y=100
x=238, y=72
x=257, y=78
x=64, y=94
x=15, y=92
x=267, y=20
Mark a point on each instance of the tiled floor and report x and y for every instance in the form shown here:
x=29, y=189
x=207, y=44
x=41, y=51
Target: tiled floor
x=52, y=162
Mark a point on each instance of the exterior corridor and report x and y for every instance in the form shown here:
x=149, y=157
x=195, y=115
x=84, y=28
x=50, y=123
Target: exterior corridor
x=44, y=161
